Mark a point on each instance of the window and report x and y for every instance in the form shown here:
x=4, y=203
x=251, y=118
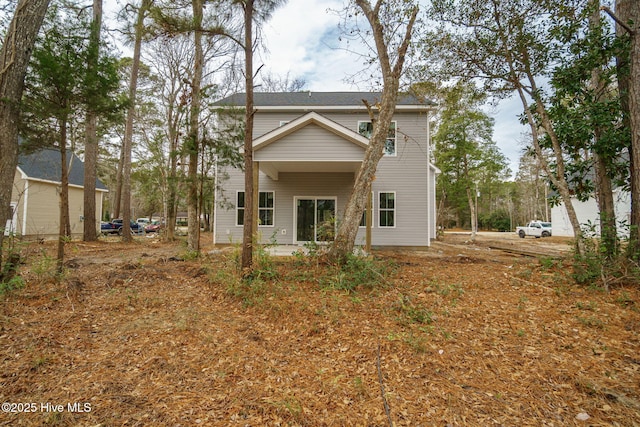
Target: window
x=366, y=129
x=387, y=210
x=265, y=208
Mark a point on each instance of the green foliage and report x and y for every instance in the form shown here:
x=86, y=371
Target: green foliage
x=356, y=272
x=411, y=312
x=60, y=83
x=248, y=286
x=465, y=153
x=496, y=220
x=44, y=267
x=14, y=283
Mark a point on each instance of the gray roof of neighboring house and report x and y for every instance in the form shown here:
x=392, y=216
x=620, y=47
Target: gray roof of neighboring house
x=311, y=99
x=45, y=164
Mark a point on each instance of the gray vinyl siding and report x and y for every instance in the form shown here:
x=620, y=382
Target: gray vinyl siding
x=405, y=174
x=310, y=142
x=286, y=189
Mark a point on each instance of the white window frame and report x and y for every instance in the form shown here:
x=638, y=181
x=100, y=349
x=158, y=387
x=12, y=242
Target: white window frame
x=273, y=209
x=394, y=210
x=394, y=138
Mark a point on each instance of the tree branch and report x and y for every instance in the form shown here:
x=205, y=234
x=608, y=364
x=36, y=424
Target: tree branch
x=613, y=16
x=387, y=410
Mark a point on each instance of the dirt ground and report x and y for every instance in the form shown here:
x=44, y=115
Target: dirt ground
x=461, y=334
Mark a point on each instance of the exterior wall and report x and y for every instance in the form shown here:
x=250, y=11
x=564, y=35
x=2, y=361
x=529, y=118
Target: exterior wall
x=310, y=142
x=39, y=208
x=588, y=212
x=288, y=186
x=407, y=174
x=18, y=195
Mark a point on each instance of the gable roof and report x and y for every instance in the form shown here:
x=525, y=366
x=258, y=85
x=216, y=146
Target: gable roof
x=44, y=165
x=278, y=101
x=305, y=120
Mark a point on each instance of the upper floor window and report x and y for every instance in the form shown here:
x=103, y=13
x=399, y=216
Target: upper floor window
x=366, y=129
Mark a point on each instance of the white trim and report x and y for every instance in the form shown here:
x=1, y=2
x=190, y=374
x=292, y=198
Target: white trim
x=47, y=181
x=394, y=210
x=308, y=108
x=25, y=205
x=273, y=210
x=258, y=213
x=302, y=121
x=235, y=203
x=315, y=219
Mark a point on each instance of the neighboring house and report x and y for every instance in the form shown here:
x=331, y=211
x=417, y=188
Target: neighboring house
x=308, y=146
x=588, y=215
x=35, y=199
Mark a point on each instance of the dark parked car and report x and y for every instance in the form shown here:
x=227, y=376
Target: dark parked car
x=108, y=228
x=115, y=226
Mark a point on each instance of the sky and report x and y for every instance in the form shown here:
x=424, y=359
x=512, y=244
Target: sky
x=303, y=40
x=310, y=48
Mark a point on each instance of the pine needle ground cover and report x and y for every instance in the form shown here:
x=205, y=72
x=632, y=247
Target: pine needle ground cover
x=458, y=335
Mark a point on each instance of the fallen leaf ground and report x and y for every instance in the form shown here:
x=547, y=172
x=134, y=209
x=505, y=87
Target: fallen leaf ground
x=460, y=335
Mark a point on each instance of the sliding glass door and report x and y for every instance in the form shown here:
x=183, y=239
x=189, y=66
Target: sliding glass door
x=315, y=219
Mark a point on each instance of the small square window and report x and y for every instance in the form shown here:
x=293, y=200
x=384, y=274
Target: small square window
x=266, y=208
x=366, y=129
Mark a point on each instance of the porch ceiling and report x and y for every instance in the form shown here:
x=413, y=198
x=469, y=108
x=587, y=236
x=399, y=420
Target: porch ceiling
x=274, y=168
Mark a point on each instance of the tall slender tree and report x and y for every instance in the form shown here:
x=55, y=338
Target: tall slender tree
x=510, y=46
x=258, y=11
x=143, y=10
x=391, y=40
x=628, y=26
x=14, y=60
x=193, y=139
x=91, y=131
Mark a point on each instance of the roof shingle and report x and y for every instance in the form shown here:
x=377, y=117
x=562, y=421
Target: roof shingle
x=45, y=164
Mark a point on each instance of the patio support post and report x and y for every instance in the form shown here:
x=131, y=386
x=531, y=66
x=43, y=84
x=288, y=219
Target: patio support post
x=256, y=197
x=369, y=220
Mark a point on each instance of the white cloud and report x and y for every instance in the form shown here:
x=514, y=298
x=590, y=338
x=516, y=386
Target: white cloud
x=303, y=40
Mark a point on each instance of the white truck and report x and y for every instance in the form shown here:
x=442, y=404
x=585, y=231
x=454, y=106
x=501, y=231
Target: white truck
x=536, y=229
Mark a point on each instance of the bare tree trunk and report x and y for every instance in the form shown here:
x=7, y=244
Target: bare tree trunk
x=128, y=132
x=604, y=188
x=630, y=12
x=472, y=211
x=249, y=214
x=170, y=220
x=348, y=229
x=14, y=59
x=117, y=202
x=557, y=176
x=64, y=229
x=193, y=220
x=91, y=143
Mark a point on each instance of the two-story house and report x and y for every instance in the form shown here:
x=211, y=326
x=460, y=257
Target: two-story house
x=308, y=147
